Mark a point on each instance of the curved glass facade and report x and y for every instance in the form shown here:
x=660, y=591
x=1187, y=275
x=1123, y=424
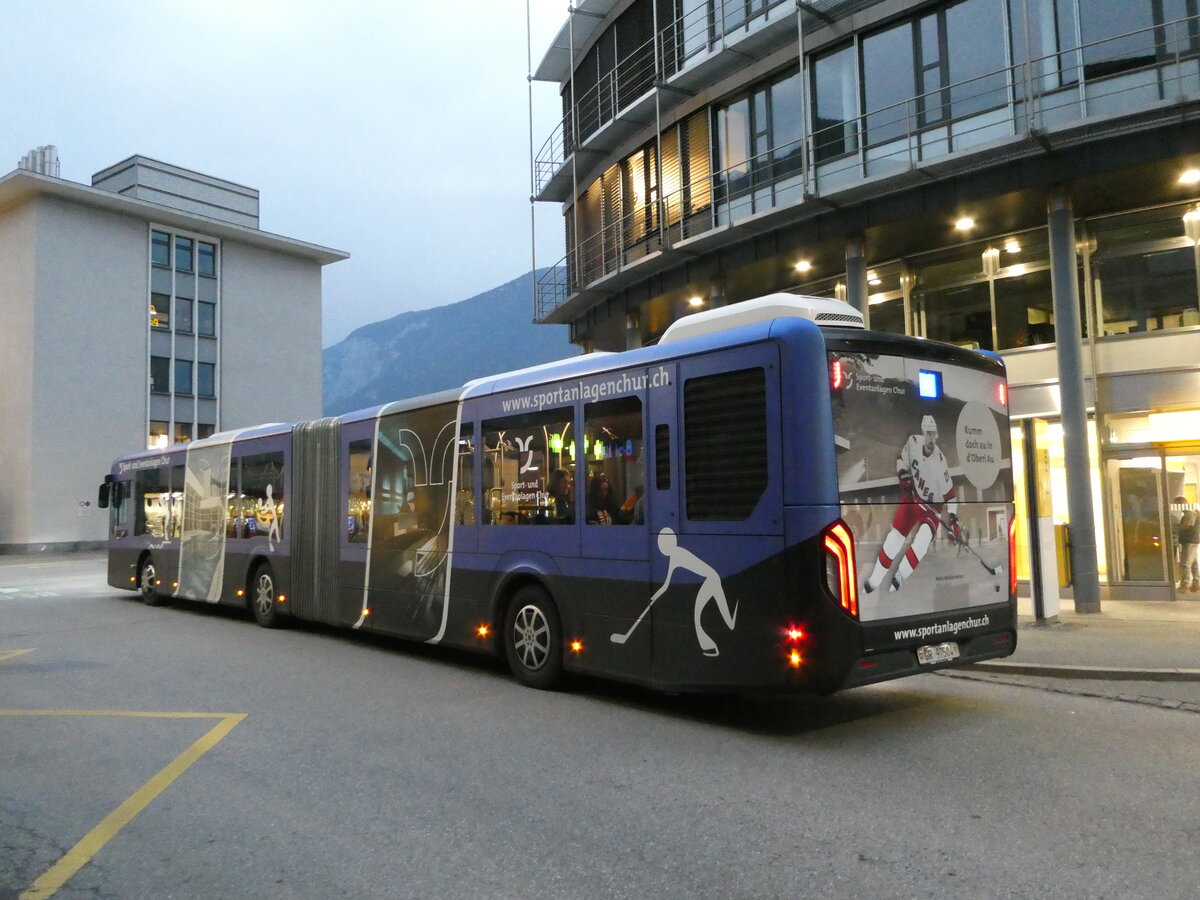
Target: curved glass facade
x=917, y=154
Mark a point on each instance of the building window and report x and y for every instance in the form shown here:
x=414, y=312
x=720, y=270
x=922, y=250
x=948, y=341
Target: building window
x=183, y=377
x=160, y=375
x=160, y=249
x=183, y=254
x=206, y=318
x=183, y=432
x=954, y=299
x=183, y=315
x=203, y=431
x=947, y=64
x=160, y=311
x=206, y=258
x=1144, y=271
x=157, y=438
x=1117, y=37
x=759, y=139
x=888, y=82
x=835, y=105
x=1041, y=35
x=206, y=379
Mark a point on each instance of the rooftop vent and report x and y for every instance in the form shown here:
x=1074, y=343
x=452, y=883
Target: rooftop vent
x=821, y=310
x=43, y=161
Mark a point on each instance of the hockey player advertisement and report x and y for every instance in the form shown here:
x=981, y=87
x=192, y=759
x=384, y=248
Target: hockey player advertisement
x=924, y=474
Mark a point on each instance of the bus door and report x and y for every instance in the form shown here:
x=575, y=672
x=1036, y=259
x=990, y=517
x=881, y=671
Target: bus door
x=356, y=455
x=717, y=530
x=256, y=527
x=616, y=463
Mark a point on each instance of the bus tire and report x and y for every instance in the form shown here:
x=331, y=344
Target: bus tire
x=533, y=641
x=262, y=597
x=148, y=583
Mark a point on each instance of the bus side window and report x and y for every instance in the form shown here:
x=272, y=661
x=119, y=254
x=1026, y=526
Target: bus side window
x=175, y=506
x=464, y=502
x=262, y=495
x=358, y=481
x=615, y=454
x=153, y=500
x=529, y=469
x=121, y=500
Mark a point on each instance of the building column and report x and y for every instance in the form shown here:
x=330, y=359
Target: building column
x=1068, y=343
x=856, y=275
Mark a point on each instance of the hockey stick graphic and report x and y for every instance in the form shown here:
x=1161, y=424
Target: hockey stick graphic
x=992, y=570
x=622, y=638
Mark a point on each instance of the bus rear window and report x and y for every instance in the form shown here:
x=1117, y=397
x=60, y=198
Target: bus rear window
x=882, y=403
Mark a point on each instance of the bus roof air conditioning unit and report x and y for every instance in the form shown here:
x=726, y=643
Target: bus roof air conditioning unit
x=821, y=310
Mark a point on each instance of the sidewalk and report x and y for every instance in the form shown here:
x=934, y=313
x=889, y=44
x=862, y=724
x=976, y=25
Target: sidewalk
x=1128, y=640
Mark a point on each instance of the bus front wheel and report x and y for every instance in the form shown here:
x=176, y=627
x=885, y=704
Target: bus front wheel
x=148, y=583
x=533, y=642
x=262, y=597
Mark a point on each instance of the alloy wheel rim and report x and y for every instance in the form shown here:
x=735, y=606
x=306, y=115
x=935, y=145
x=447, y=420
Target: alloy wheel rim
x=149, y=576
x=531, y=637
x=264, y=594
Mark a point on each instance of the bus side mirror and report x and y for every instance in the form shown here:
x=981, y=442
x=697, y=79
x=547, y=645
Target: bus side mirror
x=102, y=499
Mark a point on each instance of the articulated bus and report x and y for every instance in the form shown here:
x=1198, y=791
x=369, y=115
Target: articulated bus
x=769, y=499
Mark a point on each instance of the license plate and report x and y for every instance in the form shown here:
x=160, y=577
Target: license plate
x=937, y=653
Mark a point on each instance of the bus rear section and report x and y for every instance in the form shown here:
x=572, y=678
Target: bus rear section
x=924, y=467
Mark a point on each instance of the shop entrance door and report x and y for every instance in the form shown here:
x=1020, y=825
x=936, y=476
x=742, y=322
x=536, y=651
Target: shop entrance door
x=1149, y=487
x=1182, y=474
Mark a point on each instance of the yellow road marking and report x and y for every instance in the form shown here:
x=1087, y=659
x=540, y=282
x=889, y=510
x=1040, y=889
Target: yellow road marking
x=91, y=843
x=9, y=654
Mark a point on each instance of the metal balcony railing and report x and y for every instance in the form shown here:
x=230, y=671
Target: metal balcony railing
x=675, y=45
x=1102, y=82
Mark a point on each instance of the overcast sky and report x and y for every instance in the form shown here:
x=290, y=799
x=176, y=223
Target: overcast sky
x=397, y=131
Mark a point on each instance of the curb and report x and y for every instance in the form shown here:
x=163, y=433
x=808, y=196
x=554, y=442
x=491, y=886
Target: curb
x=1094, y=673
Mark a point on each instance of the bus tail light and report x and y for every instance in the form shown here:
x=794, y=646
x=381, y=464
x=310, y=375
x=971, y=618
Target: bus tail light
x=1012, y=557
x=837, y=375
x=841, y=573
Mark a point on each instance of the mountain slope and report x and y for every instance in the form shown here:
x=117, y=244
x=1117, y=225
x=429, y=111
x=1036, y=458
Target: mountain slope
x=431, y=350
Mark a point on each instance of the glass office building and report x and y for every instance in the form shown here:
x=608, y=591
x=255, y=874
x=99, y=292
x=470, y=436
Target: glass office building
x=903, y=156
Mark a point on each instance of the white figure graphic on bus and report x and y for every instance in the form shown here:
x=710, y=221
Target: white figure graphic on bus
x=710, y=589
x=271, y=513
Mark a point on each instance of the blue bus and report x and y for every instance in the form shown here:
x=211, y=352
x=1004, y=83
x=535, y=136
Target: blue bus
x=770, y=498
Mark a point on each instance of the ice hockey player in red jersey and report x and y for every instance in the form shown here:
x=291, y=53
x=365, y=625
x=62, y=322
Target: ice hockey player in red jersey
x=926, y=501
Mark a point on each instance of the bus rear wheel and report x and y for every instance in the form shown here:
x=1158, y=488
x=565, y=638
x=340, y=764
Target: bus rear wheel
x=533, y=642
x=262, y=597
x=148, y=583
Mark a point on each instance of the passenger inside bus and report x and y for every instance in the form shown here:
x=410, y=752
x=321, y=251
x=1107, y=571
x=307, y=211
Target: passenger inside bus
x=561, y=490
x=602, y=508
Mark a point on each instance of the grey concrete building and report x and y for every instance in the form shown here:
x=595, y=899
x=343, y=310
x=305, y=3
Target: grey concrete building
x=1021, y=176
x=143, y=309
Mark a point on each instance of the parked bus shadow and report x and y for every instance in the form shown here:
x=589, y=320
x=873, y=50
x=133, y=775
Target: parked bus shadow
x=774, y=715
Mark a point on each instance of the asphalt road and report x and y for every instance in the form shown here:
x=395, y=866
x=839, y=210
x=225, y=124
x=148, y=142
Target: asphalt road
x=308, y=763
